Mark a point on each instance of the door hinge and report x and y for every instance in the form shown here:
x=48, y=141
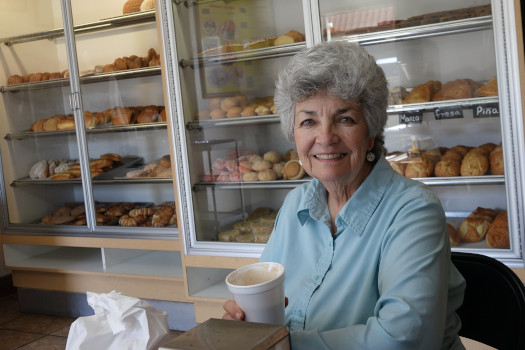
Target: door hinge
x=74, y=101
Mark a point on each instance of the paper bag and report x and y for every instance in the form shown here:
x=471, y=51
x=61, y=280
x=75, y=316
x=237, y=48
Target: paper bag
x=119, y=323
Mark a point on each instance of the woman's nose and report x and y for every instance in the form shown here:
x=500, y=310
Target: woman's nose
x=327, y=134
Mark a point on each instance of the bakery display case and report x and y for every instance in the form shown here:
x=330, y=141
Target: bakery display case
x=87, y=180
x=454, y=112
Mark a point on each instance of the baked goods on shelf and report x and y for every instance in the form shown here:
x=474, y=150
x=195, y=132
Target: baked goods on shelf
x=256, y=228
x=63, y=169
x=250, y=166
x=151, y=59
x=161, y=215
x=236, y=106
x=291, y=37
x=453, y=235
x=158, y=168
x=132, y=6
x=374, y=20
x=460, y=160
x=423, y=92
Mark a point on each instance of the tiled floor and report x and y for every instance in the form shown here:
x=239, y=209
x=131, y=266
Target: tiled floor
x=24, y=331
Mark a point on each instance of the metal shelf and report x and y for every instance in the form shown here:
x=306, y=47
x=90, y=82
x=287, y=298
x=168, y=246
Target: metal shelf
x=421, y=31
x=290, y=184
x=465, y=103
x=98, y=130
x=103, y=24
x=87, y=79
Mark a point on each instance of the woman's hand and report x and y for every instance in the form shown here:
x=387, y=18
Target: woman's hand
x=233, y=311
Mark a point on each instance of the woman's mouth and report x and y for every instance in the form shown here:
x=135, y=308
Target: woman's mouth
x=330, y=156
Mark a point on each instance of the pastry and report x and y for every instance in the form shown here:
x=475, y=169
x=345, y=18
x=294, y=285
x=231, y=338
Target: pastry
x=262, y=164
x=165, y=161
x=147, y=5
x=120, y=64
x=217, y=114
x=447, y=168
x=229, y=102
x=263, y=110
x=452, y=155
x=214, y=103
x=487, y=147
x=133, y=62
x=423, y=92
x=241, y=99
x=272, y=156
x=475, y=163
x=423, y=167
x=489, y=89
x=498, y=232
x=40, y=170
x=162, y=115
x=112, y=156
x=14, y=79
x=475, y=226
x=148, y=115
x=248, y=111
x=279, y=169
x=35, y=77
x=51, y=123
x=453, y=90
x=267, y=175
x=228, y=236
x=293, y=170
x=290, y=154
x=203, y=114
x=38, y=125
x=77, y=211
x=234, y=112
x=496, y=161
x=398, y=167
x=250, y=176
x=62, y=219
x=121, y=116
x=396, y=95
x=141, y=212
x=453, y=235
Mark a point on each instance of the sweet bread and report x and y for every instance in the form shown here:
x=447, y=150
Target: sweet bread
x=100, y=163
x=228, y=236
x=248, y=111
x=447, y=168
x=229, y=102
x=148, y=115
x=40, y=170
x=496, y=161
x=267, y=175
x=475, y=226
x=293, y=170
x=423, y=92
x=290, y=154
x=272, y=156
x=422, y=167
x=147, y=5
x=165, y=161
x=279, y=169
x=489, y=89
x=217, y=114
x=121, y=116
x=112, y=156
x=90, y=121
x=250, y=176
x=398, y=167
x=66, y=124
x=141, y=212
x=14, y=79
x=234, y=112
x=453, y=90
x=498, y=232
x=475, y=163
x=261, y=164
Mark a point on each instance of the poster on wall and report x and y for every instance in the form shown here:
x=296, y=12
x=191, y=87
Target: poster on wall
x=227, y=28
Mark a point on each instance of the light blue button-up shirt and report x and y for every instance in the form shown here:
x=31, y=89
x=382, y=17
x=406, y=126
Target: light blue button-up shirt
x=383, y=281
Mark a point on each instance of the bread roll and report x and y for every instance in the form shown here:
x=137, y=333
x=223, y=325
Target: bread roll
x=229, y=102
x=489, y=89
x=423, y=92
x=217, y=114
x=148, y=115
x=267, y=175
x=293, y=170
x=40, y=170
x=475, y=163
x=476, y=225
x=447, y=168
x=66, y=124
x=131, y=6
x=498, y=233
x=496, y=161
x=121, y=116
x=453, y=90
x=14, y=79
x=272, y=156
x=422, y=167
x=234, y=112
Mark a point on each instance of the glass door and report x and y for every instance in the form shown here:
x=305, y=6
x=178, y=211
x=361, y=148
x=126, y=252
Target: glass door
x=448, y=123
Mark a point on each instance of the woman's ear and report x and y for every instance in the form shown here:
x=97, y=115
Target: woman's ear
x=371, y=142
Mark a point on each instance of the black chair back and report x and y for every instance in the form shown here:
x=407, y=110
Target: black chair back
x=493, y=311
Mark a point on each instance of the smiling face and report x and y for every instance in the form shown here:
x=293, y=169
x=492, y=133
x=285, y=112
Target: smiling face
x=331, y=138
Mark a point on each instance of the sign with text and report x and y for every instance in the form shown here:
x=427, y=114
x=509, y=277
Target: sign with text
x=486, y=110
x=408, y=117
x=450, y=112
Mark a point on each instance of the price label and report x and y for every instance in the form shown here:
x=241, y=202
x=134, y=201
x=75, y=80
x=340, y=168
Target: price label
x=486, y=110
x=409, y=117
x=450, y=112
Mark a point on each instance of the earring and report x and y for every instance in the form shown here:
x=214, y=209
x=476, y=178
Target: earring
x=370, y=156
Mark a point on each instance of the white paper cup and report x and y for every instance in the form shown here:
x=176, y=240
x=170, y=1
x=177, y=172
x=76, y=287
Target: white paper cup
x=258, y=289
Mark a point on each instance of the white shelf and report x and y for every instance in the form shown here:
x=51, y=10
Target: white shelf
x=143, y=262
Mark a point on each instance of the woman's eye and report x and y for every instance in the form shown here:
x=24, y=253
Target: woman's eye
x=347, y=119
x=307, y=122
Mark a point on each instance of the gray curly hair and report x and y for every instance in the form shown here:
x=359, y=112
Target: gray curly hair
x=341, y=69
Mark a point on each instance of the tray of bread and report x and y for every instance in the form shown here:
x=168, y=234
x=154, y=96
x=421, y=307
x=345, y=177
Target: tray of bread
x=58, y=170
x=255, y=228
x=159, y=169
x=106, y=213
x=456, y=161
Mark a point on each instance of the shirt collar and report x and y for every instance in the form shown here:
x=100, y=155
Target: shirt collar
x=357, y=211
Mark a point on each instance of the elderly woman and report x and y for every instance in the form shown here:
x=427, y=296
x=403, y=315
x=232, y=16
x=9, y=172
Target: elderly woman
x=366, y=250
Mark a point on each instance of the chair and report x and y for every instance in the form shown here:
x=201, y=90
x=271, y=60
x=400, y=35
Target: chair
x=493, y=310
